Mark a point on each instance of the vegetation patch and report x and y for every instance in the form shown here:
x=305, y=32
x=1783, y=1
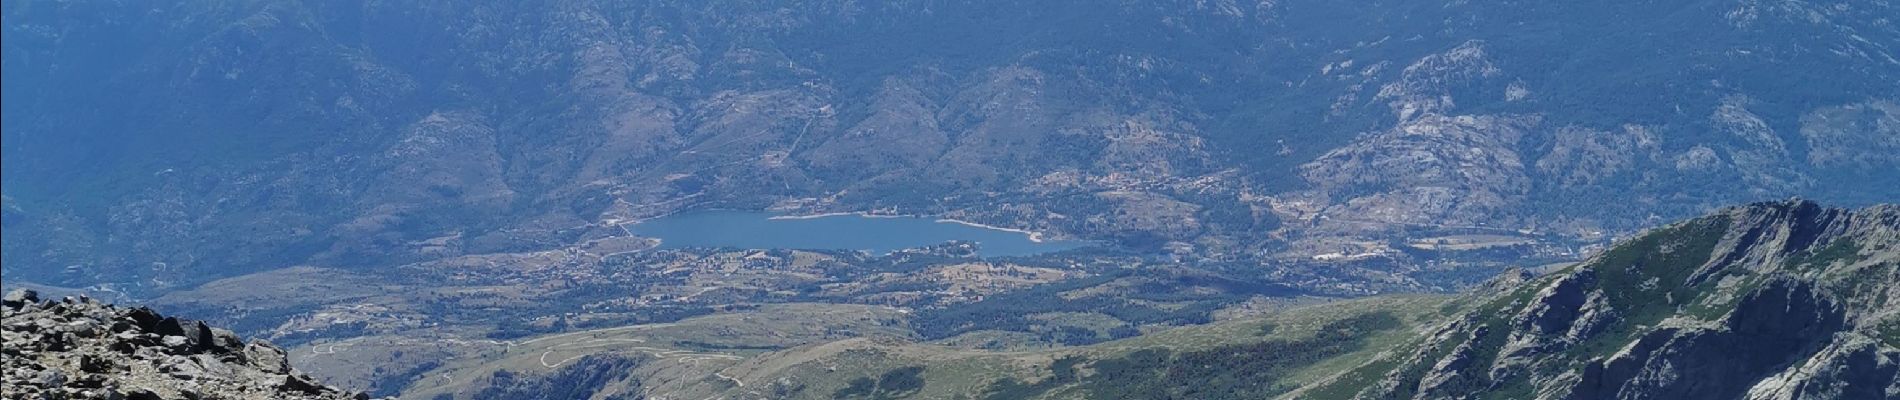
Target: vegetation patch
x=1240, y=371
x=1170, y=300
x=580, y=380
x=1352, y=382
x=895, y=384
x=1840, y=250
x=1889, y=333
x=1646, y=278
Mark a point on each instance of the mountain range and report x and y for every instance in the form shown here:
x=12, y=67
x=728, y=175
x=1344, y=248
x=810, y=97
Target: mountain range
x=158, y=146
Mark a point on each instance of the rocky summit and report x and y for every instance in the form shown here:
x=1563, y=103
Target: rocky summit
x=79, y=348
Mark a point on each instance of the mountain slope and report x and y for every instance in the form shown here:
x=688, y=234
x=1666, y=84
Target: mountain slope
x=195, y=141
x=1310, y=341
x=1769, y=301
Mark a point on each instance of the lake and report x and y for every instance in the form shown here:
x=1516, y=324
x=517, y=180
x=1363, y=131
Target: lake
x=878, y=235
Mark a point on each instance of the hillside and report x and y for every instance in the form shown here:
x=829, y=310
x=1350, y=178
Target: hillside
x=165, y=146
x=1313, y=342
x=1784, y=300
x=1768, y=301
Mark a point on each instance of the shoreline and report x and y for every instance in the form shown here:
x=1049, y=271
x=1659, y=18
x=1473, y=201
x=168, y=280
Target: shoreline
x=812, y=216
x=839, y=214
x=1034, y=236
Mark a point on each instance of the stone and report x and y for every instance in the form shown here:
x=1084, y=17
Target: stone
x=146, y=319
x=267, y=357
x=142, y=394
x=89, y=381
x=19, y=298
x=82, y=328
x=224, y=341
x=171, y=326
x=177, y=343
x=302, y=384
x=95, y=363
x=51, y=378
x=181, y=367
x=124, y=347
x=57, y=342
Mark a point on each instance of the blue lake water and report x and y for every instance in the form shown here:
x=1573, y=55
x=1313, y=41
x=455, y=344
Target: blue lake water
x=878, y=235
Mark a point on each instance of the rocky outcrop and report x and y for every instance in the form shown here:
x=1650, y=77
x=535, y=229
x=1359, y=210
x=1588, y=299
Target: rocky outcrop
x=1785, y=300
x=1772, y=328
x=78, y=348
x=1853, y=367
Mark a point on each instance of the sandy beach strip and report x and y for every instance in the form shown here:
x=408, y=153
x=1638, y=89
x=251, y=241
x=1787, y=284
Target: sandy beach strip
x=1033, y=235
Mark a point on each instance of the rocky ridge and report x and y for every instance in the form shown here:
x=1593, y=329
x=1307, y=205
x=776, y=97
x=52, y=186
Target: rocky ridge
x=79, y=348
x=1786, y=300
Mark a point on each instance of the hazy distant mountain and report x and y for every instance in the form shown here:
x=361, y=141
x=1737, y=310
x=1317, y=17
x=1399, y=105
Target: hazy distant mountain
x=171, y=143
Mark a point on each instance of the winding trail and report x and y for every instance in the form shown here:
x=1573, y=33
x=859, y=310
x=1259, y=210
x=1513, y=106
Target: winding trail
x=329, y=348
x=736, y=381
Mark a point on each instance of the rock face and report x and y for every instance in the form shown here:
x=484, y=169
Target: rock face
x=82, y=349
x=1769, y=301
